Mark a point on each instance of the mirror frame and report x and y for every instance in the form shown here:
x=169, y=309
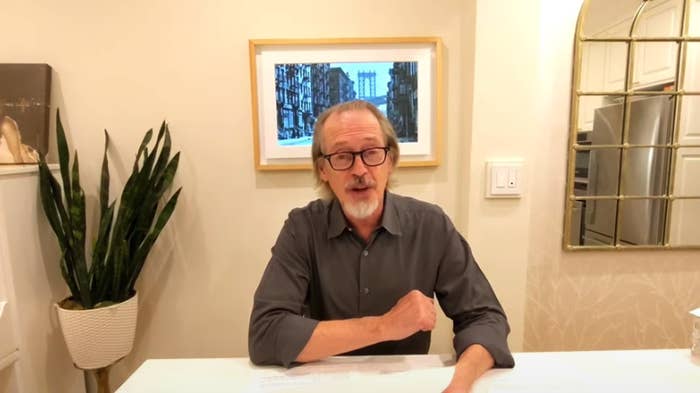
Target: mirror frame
x=627, y=92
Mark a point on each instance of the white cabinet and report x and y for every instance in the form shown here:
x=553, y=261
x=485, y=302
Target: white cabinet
x=32, y=280
x=655, y=62
x=616, y=57
x=9, y=343
x=684, y=213
x=592, y=79
x=8, y=338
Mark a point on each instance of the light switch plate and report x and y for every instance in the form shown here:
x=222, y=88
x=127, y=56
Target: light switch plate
x=504, y=179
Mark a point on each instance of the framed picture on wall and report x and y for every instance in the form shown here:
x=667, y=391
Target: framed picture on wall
x=294, y=81
x=25, y=92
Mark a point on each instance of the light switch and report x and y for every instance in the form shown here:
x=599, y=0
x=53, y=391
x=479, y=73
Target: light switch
x=504, y=179
x=501, y=176
x=513, y=177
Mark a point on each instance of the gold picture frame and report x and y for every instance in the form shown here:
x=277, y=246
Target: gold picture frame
x=293, y=80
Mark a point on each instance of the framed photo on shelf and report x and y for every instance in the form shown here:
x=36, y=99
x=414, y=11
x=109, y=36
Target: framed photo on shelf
x=25, y=98
x=294, y=80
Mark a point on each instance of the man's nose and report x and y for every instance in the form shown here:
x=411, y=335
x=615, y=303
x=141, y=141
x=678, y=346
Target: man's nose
x=358, y=167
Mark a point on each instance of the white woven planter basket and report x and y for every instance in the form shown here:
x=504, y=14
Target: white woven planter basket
x=99, y=337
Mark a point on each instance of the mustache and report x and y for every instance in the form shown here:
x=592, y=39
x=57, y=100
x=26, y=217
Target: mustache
x=359, y=181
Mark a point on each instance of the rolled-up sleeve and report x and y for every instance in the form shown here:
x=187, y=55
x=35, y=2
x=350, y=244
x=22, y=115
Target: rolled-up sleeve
x=466, y=296
x=278, y=331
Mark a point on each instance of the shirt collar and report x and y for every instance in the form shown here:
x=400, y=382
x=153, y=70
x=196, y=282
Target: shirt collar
x=336, y=220
x=337, y=223
x=390, y=218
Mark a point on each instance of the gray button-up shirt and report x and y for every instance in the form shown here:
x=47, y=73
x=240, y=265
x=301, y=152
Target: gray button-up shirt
x=320, y=270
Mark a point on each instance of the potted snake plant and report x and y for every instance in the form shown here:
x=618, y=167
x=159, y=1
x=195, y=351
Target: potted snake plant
x=98, y=319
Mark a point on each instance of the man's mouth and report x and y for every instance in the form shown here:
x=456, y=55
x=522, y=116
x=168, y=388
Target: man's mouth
x=359, y=189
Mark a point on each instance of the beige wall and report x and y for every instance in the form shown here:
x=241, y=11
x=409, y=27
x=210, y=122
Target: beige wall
x=502, y=127
x=125, y=66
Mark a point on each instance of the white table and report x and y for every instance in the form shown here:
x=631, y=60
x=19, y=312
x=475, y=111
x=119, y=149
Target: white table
x=672, y=370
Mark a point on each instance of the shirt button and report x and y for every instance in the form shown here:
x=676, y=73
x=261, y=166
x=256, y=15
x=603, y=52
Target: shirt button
x=365, y=253
x=365, y=291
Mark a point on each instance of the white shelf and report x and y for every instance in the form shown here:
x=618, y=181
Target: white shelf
x=8, y=170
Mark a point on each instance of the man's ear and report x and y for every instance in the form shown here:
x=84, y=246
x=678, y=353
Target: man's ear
x=322, y=170
x=390, y=157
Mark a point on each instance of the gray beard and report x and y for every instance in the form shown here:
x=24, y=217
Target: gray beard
x=361, y=210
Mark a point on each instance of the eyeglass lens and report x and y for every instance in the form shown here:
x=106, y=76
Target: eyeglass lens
x=370, y=157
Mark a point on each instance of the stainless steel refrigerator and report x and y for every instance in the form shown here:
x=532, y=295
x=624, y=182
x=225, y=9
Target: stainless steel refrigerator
x=645, y=172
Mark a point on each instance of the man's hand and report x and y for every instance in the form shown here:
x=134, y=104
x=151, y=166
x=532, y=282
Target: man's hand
x=456, y=389
x=472, y=363
x=412, y=313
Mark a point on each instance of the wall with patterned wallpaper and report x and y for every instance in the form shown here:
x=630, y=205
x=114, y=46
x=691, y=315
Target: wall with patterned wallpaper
x=611, y=300
x=592, y=300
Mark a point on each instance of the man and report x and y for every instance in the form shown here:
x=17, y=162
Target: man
x=356, y=271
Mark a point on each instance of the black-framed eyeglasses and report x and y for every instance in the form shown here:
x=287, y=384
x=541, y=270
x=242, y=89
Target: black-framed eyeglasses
x=344, y=160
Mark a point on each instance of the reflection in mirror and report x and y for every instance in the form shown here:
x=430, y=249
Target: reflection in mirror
x=694, y=19
x=587, y=108
x=684, y=219
x=645, y=171
x=691, y=80
x=642, y=221
x=687, y=173
x=607, y=18
x=654, y=64
x=659, y=18
x=603, y=172
x=650, y=120
x=689, y=123
x=634, y=170
x=603, y=66
x=581, y=170
x=598, y=222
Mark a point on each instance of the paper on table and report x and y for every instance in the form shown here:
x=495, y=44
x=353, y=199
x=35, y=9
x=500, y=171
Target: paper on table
x=345, y=374
x=418, y=381
x=264, y=381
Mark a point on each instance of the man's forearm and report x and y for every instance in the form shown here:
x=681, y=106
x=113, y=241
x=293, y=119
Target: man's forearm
x=412, y=313
x=335, y=337
x=474, y=361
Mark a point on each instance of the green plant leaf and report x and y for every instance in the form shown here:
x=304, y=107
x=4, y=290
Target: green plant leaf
x=120, y=268
x=143, y=148
x=104, y=179
x=68, y=277
x=63, y=157
x=142, y=253
x=48, y=200
x=164, y=155
x=77, y=218
x=99, y=252
x=168, y=174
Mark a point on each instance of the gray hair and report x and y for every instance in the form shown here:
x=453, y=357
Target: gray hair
x=391, y=140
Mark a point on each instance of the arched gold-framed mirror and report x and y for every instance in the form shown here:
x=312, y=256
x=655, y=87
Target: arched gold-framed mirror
x=634, y=138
